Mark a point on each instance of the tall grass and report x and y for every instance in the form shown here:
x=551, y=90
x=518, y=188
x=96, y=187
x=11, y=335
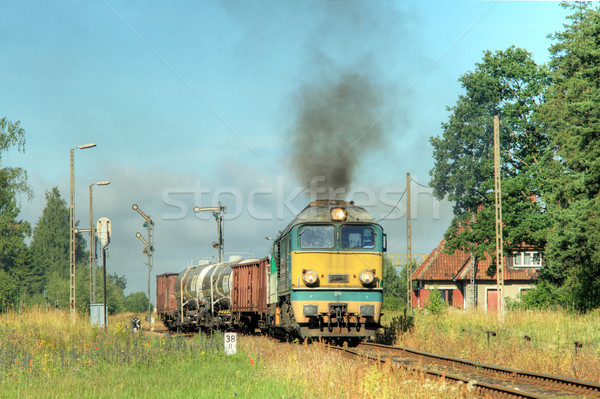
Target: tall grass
x=44, y=355
x=542, y=341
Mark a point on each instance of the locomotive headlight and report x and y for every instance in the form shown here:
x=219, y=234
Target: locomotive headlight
x=310, y=277
x=367, y=277
x=338, y=214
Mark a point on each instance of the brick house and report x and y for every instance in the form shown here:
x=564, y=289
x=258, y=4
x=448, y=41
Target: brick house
x=457, y=281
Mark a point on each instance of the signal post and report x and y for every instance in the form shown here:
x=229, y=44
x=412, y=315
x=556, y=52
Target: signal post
x=148, y=250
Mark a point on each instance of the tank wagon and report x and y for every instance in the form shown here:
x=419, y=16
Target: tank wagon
x=322, y=281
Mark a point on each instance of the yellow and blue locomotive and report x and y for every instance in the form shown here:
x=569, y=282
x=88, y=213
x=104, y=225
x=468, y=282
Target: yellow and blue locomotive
x=325, y=275
x=323, y=281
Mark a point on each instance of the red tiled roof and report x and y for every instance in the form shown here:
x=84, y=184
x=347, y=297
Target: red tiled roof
x=442, y=266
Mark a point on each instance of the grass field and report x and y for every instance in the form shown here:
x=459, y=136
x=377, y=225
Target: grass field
x=543, y=341
x=43, y=355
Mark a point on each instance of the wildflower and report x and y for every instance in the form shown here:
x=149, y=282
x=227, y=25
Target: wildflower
x=252, y=362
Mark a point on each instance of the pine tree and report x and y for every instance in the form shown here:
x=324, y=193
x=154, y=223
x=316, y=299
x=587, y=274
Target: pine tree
x=50, y=250
x=14, y=257
x=50, y=244
x=572, y=118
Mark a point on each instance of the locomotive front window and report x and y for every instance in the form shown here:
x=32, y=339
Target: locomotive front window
x=317, y=236
x=358, y=237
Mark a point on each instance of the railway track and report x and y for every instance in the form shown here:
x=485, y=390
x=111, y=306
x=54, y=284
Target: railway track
x=488, y=380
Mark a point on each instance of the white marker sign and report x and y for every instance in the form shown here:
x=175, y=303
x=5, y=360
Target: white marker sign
x=104, y=229
x=230, y=343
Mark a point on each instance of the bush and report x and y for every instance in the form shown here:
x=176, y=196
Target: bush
x=436, y=305
x=399, y=325
x=136, y=302
x=393, y=303
x=545, y=296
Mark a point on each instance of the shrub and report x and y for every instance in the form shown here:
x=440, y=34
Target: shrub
x=399, y=325
x=436, y=305
x=393, y=303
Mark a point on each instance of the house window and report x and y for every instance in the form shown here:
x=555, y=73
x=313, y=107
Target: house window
x=446, y=295
x=526, y=259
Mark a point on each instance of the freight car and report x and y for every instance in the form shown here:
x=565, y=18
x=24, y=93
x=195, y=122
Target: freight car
x=322, y=281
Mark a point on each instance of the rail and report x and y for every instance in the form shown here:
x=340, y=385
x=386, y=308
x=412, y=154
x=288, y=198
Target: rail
x=488, y=380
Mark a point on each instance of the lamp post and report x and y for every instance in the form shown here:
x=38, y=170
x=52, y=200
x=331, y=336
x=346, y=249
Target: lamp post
x=93, y=243
x=72, y=230
x=149, y=250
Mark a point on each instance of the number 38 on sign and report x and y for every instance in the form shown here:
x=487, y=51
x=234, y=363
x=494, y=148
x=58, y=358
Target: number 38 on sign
x=230, y=343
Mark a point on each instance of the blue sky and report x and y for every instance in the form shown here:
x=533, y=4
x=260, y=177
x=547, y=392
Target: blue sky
x=192, y=102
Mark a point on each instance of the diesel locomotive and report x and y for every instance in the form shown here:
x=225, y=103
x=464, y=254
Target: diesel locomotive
x=323, y=280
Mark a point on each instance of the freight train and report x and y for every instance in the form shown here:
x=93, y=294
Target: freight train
x=323, y=280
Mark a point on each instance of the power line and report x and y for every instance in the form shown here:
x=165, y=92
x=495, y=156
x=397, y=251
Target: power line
x=420, y=184
x=395, y=206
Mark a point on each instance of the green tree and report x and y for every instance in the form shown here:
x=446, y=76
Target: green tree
x=404, y=278
x=393, y=294
x=509, y=84
x=136, y=302
x=571, y=117
x=115, y=285
x=50, y=246
x=50, y=252
x=14, y=257
x=9, y=293
x=50, y=243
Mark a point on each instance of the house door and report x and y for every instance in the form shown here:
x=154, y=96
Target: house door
x=492, y=300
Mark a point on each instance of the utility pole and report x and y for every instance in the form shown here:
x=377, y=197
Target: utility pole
x=473, y=274
x=498, y=204
x=149, y=250
x=408, y=246
x=72, y=243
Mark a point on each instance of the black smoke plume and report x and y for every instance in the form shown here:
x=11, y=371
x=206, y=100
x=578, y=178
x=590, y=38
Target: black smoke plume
x=334, y=128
